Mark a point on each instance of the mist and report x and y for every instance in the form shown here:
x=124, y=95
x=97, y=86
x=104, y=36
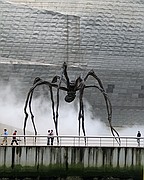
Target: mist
x=12, y=114
x=68, y=118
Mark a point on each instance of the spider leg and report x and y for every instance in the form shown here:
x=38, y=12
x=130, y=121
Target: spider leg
x=25, y=111
x=57, y=105
x=81, y=113
x=32, y=116
x=64, y=71
x=59, y=87
x=56, y=78
x=52, y=100
x=57, y=115
x=109, y=110
x=54, y=117
x=38, y=82
x=28, y=101
x=107, y=101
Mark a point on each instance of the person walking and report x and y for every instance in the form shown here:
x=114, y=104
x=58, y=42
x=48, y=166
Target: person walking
x=14, y=138
x=5, y=134
x=138, y=138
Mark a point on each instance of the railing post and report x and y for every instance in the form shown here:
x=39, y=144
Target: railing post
x=86, y=141
x=126, y=141
x=74, y=141
x=24, y=140
x=100, y=141
x=58, y=142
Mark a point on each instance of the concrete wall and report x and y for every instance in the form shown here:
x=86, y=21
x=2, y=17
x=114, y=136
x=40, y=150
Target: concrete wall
x=65, y=159
x=86, y=156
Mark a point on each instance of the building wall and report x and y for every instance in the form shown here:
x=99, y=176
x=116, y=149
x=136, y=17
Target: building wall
x=36, y=37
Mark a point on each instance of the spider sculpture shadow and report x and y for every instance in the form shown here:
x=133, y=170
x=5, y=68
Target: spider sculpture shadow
x=71, y=88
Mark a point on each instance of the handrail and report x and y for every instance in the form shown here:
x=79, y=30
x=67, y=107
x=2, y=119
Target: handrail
x=70, y=140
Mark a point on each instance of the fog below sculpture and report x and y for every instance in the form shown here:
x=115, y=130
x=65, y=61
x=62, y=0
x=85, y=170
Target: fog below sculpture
x=12, y=114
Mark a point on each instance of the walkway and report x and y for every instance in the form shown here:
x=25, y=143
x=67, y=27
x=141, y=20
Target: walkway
x=101, y=141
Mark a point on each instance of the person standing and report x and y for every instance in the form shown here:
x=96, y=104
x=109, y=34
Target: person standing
x=52, y=138
x=14, y=138
x=48, y=138
x=5, y=134
x=138, y=138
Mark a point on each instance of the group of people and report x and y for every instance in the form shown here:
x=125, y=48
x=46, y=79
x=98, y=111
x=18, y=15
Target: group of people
x=5, y=134
x=50, y=137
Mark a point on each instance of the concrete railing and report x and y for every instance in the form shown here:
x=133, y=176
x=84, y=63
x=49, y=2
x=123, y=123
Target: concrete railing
x=101, y=141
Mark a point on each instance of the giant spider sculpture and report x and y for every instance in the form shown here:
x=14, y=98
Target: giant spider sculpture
x=71, y=88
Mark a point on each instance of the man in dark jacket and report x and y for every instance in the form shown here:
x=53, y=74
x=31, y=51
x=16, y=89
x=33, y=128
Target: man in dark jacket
x=138, y=138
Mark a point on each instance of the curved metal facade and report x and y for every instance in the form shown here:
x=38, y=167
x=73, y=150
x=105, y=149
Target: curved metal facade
x=37, y=37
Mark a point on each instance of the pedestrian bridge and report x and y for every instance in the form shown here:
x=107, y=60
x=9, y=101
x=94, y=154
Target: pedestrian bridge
x=97, y=158
x=92, y=141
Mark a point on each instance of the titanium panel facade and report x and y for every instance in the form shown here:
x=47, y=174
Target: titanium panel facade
x=107, y=36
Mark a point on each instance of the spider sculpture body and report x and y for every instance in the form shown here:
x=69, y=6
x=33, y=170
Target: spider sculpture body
x=71, y=88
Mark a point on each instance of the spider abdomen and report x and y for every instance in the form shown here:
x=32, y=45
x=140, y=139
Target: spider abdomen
x=70, y=96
